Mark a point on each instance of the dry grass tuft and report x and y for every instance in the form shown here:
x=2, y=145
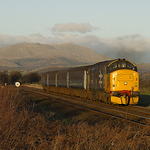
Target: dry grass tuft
x=22, y=128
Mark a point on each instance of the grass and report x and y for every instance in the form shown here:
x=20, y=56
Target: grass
x=23, y=128
x=144, y=90
x=144, y=99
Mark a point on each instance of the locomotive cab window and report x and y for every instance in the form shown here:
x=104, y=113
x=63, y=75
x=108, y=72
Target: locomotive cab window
x=131, y=66
x=121, y=64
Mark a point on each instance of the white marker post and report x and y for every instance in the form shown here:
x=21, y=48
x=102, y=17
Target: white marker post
x=17, y=84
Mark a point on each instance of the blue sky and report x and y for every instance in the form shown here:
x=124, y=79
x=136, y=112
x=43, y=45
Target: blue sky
x=112, y=18
x=97, y=24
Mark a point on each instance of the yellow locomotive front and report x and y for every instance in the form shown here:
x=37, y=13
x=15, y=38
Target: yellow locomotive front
x=124, y=82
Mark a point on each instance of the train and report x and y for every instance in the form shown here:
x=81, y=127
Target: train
x=112, y=82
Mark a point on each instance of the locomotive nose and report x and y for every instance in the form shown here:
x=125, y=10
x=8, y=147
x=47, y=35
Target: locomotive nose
x=115, y=93
x=125, y=83
x=132, y=88
x=136, y=93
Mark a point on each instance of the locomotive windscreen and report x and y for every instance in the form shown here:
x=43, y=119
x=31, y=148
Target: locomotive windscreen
x=121, y=64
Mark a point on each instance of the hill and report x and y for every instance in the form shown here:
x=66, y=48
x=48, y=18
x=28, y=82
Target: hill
x=143, y=68
x=36, y=55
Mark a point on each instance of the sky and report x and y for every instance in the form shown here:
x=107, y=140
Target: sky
x=115, y=28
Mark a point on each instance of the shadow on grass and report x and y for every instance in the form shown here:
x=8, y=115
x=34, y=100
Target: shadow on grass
x=144, y=100
x=66, y=113
x=61, y=110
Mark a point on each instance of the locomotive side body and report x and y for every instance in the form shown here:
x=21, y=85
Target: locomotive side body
x=99, y=82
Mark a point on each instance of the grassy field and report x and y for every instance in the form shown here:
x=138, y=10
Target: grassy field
x=144, y=99
x=21, y=127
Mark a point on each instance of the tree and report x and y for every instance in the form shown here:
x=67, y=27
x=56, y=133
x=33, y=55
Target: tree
x=4, y=77
x=14, y=76
x=31, y=77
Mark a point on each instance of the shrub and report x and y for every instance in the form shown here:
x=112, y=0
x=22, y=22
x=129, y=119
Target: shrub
x=22, y=128
x=14, y=76
x=31, y=77
x=4, y=77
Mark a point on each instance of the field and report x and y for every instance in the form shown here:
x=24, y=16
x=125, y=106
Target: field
x=26, y=125
x=144, y=97
x=144, y=100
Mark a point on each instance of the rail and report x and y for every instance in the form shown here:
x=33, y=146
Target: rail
x=131, y=114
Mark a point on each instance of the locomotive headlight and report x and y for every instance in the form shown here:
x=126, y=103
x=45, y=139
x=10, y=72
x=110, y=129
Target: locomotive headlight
x=125, y=83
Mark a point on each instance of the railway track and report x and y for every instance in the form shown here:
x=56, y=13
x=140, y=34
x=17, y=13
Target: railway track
x=130, y=114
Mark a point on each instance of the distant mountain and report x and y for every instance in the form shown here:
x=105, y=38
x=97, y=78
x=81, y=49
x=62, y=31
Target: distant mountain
x=35, y=55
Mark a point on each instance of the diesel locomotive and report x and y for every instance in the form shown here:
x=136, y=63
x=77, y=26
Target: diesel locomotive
x=113, y=82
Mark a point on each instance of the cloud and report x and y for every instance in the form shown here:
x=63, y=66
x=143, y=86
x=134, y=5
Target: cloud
x=73, y=27
x=129, y=37
x=132, y=47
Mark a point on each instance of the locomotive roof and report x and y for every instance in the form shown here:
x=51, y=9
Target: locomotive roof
x=109, y=62
x=82, y=68
x=121, y=60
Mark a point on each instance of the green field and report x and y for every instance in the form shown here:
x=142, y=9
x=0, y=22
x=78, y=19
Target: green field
x=144, y=99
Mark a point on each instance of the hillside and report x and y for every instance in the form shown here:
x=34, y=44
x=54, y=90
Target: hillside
x=36, y=55
x=144, y=67
x=29, y=56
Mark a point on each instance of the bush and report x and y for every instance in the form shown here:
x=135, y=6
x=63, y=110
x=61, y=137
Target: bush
x=4, y=77
x=31, y=77
x=22, y=128
x=14, y=76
